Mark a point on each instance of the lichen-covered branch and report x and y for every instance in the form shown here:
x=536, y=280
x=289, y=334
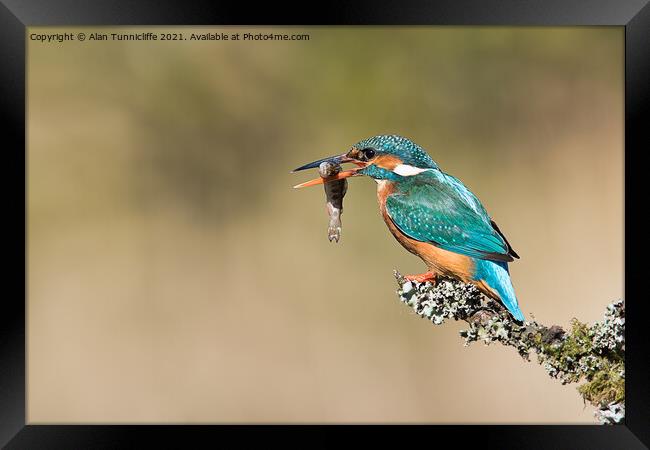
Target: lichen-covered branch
x=590, y=355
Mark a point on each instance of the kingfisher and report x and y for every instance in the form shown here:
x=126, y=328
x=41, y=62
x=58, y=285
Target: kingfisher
x=432, y=215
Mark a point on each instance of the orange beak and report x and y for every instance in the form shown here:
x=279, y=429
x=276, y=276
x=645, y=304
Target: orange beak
x=338, y=159
x=338, y=176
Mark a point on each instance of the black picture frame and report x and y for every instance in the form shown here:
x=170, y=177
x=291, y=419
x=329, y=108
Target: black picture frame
x=16, y=15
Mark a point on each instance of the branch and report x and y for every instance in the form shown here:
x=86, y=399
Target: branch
x=591, y=355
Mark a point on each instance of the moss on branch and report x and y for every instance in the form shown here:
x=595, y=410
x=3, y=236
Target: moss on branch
x=593, y=356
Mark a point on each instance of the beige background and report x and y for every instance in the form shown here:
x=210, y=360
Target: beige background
x=175, y=276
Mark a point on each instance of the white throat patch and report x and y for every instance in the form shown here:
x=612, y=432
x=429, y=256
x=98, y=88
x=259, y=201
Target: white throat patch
x=408, y=171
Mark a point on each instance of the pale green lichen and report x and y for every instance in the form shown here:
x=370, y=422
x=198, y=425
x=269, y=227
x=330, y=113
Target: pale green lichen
x=593, y=355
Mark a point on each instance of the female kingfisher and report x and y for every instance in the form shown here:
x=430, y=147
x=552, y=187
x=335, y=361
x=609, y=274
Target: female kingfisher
x=433, y=215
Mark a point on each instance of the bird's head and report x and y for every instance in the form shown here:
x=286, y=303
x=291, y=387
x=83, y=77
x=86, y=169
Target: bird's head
x=384, y=157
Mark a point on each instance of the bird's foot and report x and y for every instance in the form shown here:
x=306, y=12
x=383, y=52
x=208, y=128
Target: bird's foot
x=422, y=277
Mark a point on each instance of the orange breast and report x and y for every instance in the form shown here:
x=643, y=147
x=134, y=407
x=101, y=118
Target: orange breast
x=440, y=261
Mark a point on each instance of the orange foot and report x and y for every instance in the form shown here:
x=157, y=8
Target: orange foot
x=422, y=277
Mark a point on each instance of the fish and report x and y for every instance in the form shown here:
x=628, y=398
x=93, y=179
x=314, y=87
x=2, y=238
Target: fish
x=334, y=192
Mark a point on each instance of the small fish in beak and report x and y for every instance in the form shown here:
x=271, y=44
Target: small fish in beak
x=335, y=184
x=334, y=193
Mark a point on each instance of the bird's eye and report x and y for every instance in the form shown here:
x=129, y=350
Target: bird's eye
x=367, y=154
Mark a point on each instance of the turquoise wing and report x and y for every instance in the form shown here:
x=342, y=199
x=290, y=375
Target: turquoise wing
x=437, y=208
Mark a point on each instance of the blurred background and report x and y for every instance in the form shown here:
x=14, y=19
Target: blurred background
x=175, y=276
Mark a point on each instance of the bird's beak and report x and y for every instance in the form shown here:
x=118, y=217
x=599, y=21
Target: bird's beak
x=320, y=180
x=338, y=159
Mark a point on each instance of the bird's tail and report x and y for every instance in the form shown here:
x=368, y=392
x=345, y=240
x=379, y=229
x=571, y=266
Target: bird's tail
x=495, y=274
